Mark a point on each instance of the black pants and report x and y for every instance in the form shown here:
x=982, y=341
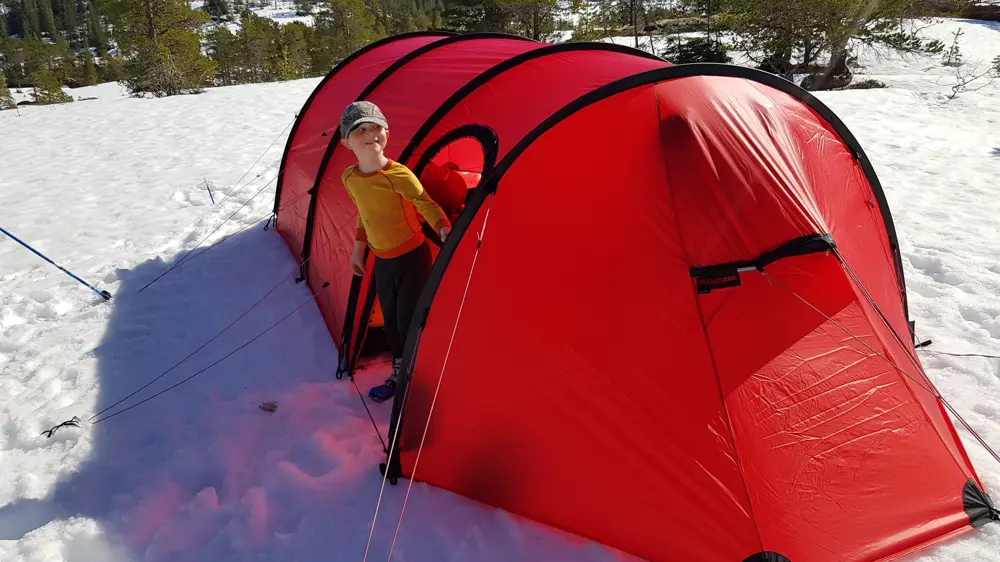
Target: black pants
x=398, y=283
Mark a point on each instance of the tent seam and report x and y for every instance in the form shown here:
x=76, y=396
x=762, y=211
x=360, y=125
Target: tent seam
x=329, y=77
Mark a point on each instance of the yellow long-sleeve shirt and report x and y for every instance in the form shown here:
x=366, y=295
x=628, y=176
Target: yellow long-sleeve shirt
x=388, y=201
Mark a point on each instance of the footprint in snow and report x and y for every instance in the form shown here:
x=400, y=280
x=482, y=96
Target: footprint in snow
x=40, y=296
x=196, y=197
x=991, y=411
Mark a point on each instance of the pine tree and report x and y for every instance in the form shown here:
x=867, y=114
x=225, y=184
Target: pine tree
x=32, y=27
x=10, y=21
x=48, y=90
x=218, y=9
x=60, y=60
x=160, y=42
x=304, y=7
x=68, y=16
x=6, y=99
x=110, y=70
x=96, y=37
x=816, y=33
x=223, y=50
x=24, y=57
x=341, y=27
x=258, y=49
x=295, y=39
x=89, y=70
x=437, y=17
x=47, y=18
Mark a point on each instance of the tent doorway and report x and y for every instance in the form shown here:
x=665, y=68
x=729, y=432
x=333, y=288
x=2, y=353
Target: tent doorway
x=450, y=171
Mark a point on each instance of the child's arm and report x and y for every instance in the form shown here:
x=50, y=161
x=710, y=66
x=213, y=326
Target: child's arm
x=360, y=236
x=357, y=258
x=411, y=189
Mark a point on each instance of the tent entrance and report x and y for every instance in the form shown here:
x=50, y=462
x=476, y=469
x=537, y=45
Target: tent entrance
x=450, y=172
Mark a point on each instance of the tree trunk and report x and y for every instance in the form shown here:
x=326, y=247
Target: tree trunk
x=150, y=22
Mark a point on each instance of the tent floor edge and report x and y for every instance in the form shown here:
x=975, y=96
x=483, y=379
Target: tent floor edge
x=767, y=556
x=978, y=505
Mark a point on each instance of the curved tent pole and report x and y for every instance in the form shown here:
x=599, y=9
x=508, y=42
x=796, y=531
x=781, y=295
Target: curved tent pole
x=356, y=282
x=426, y=128
x=490, y=144
x=382, y=77
x=498, y=69
x=319, y=87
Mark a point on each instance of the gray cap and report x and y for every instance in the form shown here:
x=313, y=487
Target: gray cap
x=360, y=112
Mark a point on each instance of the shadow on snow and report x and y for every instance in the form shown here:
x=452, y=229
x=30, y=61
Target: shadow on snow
x=201, y=473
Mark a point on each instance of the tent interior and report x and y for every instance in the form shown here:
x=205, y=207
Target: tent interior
x=450, y=176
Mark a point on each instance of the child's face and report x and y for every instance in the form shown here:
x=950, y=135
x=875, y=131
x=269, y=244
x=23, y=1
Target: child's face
x=367, y=139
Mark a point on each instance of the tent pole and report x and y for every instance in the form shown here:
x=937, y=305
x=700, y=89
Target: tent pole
x=103, y=294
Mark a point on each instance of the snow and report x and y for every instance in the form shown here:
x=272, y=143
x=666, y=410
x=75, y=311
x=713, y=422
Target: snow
x=114, y=189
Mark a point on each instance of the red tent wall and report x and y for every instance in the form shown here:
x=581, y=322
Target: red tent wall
x=816, y=400
x=532, y=86
x=407, y=97
x=548, y=408
x=771, y=418
x=832, y=186
x=307, y=142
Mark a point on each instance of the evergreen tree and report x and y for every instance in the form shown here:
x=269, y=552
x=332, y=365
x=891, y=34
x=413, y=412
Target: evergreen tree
x=304, y=7
x=60, y=60
x=6, y=99
x=816, y=33
x=295, y=41
x=110, y=70
x=437, y=15
x=161, y=45
x=534, y=18
x=89, y=69
x=222, y=47
x=48, y=90
x=529, y=18
x=32, y=27
x=218, y=9
x=341, y=27
x=46, y=17
x=393, y=16
x=10, y=18
x=96, y=37
x=22, y=58
x=67, y=19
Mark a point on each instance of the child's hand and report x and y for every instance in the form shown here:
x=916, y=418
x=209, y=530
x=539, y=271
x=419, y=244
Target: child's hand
x=444, y=233
x=358, y=264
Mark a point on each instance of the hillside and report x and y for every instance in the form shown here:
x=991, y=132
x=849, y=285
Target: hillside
x=119, y=190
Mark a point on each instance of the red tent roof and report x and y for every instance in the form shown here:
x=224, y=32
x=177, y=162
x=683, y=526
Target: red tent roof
x=671, y=318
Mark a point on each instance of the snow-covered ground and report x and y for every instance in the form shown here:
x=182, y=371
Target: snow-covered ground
x=114, y=189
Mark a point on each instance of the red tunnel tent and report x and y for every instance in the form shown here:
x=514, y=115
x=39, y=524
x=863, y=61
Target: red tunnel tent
x=682, y=331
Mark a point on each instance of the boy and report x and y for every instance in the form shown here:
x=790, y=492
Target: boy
x=388, y=197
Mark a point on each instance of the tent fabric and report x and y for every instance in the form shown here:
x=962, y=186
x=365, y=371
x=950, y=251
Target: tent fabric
x=319, y=119
x=674, y=296
x=329, y=248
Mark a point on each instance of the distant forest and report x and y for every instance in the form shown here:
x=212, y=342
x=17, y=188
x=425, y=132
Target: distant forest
x=167, y=47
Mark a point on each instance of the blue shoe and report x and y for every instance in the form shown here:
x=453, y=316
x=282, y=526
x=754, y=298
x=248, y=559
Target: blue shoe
x=386, y=390
x=383, y=392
